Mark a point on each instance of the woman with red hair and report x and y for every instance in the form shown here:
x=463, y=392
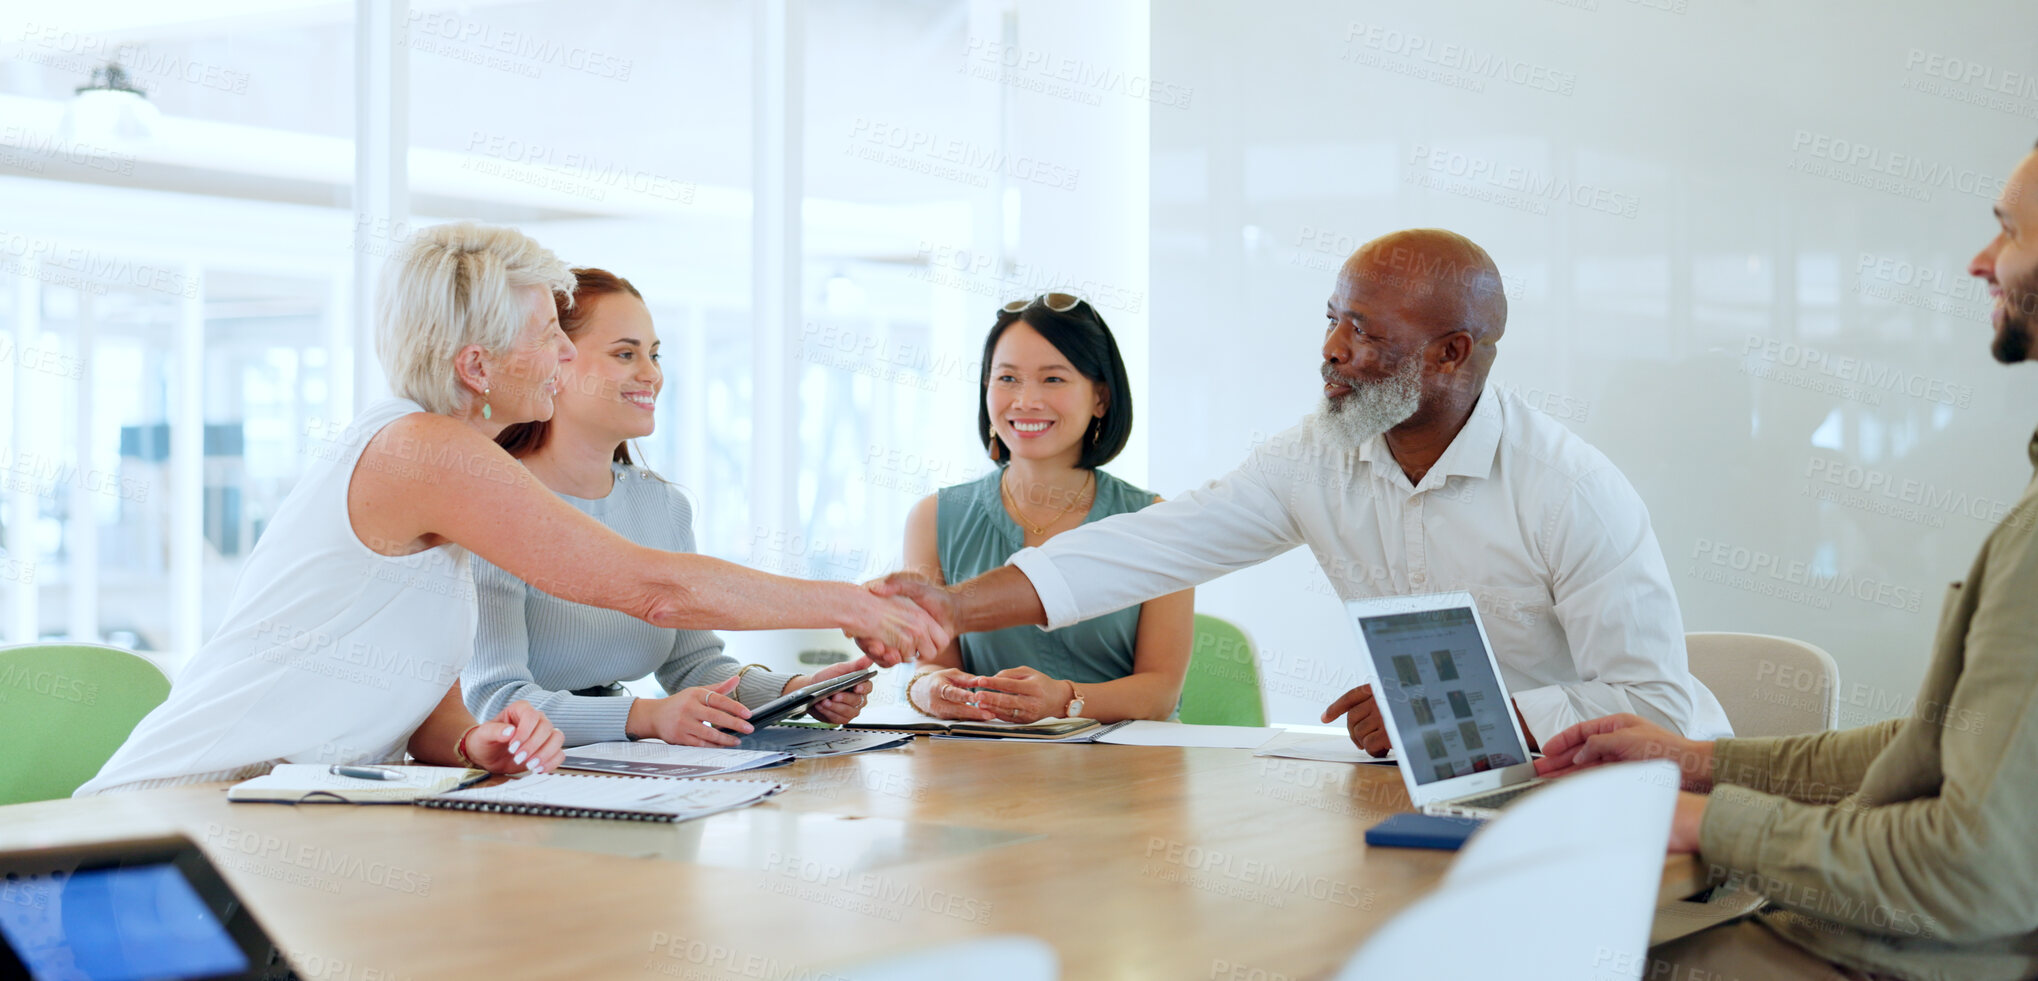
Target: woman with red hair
x=568, y=659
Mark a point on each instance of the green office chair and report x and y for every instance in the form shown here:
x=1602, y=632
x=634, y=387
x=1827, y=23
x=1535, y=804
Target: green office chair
x=64, y=709
x=1223, y=684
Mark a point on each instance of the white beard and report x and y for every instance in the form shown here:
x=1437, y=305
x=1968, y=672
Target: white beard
x=1370, y=409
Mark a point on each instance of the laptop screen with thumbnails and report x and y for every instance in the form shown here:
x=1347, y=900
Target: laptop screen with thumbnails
x=1450, y=713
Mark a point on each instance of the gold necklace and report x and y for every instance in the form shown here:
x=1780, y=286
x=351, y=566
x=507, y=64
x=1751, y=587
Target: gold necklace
x=1026, y=522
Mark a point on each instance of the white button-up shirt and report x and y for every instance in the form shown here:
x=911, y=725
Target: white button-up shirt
x=1543, y=531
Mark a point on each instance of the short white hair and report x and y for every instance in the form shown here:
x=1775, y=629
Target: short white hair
x=451, y=285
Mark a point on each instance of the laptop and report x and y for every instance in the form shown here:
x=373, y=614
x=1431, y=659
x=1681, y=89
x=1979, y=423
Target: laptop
x=1439, y=690
x=153, y=908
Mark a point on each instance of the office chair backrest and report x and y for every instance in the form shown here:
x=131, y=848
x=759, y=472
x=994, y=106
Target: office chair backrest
x=1770, y=686
x=1222, y=687
x=64, y=709
x=1561, y=886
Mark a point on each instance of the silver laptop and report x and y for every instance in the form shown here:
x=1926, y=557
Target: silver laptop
x=1440, y=694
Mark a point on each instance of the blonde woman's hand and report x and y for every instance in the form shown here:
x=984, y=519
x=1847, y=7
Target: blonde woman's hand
x=520, y=738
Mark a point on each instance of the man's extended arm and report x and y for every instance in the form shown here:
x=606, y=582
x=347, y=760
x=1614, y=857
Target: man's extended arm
x=1234, y=522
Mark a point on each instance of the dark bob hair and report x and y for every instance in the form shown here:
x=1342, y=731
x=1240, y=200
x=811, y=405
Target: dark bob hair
x=1082, y=337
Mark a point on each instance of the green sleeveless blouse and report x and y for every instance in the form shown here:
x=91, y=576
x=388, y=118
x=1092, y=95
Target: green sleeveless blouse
x=974, y=535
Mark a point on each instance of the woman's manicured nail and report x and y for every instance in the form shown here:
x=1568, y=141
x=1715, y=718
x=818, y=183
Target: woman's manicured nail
x=520, y=757
x=514, y=744
x=508, y=731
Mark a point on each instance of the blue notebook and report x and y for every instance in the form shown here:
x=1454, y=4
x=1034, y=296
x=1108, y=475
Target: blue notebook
x=1413, y=830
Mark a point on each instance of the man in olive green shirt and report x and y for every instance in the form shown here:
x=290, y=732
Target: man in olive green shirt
x=1905, y=849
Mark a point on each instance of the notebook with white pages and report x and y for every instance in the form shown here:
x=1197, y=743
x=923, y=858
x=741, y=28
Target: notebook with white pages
x=621, y=798
x=315, y=783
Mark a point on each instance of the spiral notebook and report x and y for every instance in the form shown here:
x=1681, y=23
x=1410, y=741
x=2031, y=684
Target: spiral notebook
x=620, y=798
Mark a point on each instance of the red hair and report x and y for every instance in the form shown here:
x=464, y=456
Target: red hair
x=525, y=438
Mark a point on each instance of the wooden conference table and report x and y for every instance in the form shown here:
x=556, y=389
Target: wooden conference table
x=1134, y=862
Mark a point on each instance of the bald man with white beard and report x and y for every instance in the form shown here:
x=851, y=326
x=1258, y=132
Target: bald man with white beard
x=1414, y=476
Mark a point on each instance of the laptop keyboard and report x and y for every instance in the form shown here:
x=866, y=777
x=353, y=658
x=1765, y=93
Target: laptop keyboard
x=1497, y=799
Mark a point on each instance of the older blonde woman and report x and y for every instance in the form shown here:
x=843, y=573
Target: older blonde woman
x=349, y=626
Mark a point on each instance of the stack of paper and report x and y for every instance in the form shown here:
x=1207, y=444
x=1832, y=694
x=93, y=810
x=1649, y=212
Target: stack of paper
x=896, y=717
x=807, y=742
x=1146, y=733
x=651, y=758
x=1325, y=747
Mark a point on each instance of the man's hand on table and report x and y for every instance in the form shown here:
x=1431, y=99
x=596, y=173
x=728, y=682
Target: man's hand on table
x=1368, y=729
x=1362, y=720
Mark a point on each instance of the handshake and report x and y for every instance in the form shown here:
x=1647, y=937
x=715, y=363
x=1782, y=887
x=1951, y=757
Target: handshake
x=904, y=615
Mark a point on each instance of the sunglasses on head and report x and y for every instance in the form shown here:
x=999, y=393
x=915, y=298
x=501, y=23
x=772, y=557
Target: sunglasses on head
x=1058, y=302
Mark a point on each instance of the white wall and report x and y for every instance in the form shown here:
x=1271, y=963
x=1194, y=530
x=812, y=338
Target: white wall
x=1728, y=312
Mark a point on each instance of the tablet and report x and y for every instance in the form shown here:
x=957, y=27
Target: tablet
x=793, y=703
x=153, y=908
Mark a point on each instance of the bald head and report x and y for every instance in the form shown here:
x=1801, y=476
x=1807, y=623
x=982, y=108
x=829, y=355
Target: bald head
x=1439, y=282
x=1412, y=327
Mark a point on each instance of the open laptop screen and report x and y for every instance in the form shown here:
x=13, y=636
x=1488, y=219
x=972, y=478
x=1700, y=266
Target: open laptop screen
x=1450, y=714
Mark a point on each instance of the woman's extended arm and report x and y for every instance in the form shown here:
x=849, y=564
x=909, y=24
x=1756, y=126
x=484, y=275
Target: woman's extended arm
x=426, y=480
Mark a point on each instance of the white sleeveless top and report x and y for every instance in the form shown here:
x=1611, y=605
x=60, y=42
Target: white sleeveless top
x=330, y=651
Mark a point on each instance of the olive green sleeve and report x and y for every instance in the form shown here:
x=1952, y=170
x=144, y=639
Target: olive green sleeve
x=1818, y=768
x=1958, y=864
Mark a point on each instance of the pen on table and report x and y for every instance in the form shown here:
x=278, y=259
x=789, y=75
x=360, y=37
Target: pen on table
x=364, y=772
